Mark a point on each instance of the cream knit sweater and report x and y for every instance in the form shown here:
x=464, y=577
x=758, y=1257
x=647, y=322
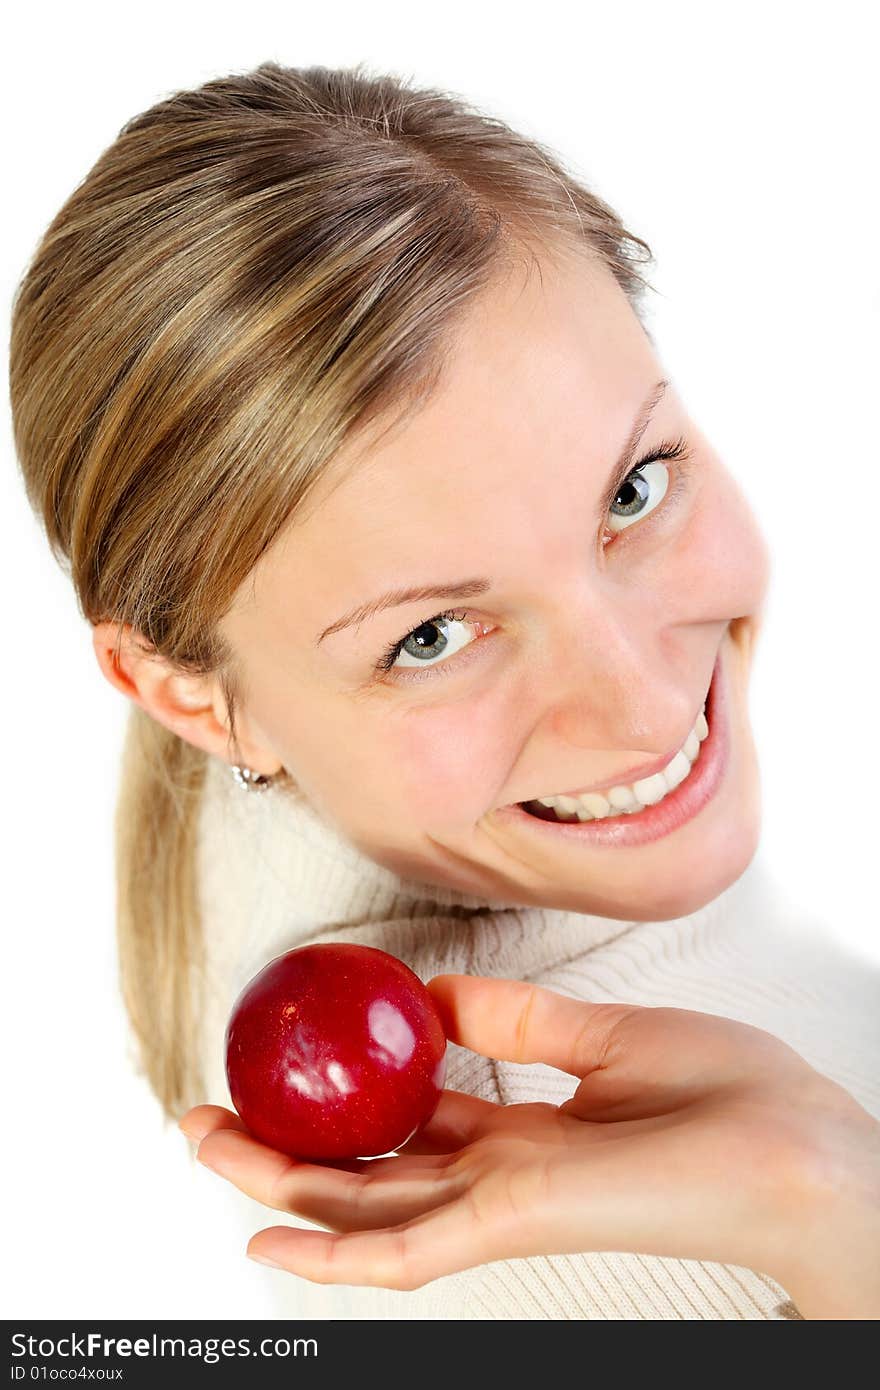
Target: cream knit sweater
x=273, y=875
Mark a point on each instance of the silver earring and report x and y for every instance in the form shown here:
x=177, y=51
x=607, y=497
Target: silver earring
x=250, y=780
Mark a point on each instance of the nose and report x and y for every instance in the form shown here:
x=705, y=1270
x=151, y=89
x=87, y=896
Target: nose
x=648, y=712
x=622, y=696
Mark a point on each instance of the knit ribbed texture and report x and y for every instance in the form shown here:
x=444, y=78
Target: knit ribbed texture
x=274, y=875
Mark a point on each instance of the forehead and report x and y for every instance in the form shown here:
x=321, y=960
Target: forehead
x=537, y=396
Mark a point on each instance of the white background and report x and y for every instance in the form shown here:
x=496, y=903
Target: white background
x=739, y=141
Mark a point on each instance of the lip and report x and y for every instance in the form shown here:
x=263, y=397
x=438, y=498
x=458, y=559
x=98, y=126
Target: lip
x=680, y=806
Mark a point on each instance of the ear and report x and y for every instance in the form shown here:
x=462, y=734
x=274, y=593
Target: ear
x=193, y=707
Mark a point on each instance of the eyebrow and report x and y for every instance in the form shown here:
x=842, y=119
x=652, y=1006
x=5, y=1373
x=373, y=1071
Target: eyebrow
x=470, y=588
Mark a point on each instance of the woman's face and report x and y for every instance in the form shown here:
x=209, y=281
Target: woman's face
x=582, y=663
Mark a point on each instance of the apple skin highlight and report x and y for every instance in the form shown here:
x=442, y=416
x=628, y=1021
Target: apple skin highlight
x=335, y=1051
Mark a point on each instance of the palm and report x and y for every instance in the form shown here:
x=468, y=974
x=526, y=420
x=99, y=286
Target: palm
x=685, y=1136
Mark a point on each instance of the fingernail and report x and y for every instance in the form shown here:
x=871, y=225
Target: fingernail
x=264, y=1260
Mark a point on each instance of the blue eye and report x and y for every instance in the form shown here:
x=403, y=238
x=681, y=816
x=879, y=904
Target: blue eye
x=644, y=487
x=640, y=492
x=430, y=639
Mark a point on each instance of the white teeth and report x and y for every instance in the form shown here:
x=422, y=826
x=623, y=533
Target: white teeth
x=627, y=800
x=622, y=798
x=691, y=746
x=651, y=789
x=677, y=770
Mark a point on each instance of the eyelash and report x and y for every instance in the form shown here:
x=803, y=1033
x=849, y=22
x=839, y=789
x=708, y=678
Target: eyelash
x=665, y=450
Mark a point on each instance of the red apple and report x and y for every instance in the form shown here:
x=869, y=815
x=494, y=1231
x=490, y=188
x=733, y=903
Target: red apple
x=335, y=1051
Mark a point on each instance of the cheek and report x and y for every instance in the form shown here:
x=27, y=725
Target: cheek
x=451, y=760
x=723, y=559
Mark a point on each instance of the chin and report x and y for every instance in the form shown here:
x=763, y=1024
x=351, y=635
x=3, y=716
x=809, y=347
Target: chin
x=681, y=899
x=710, y=875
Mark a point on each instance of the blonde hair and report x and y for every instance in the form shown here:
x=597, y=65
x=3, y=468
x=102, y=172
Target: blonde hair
x=251, y=272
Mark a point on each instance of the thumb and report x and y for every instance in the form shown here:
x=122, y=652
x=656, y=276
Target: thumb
x=513, y=1021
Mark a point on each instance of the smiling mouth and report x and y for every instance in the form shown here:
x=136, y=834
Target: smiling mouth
x=626, y=798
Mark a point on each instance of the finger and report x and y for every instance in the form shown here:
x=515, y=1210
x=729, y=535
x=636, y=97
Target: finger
x=518, y=1022
x=458, y=1120
x=662, y=1059
x=635, y=1201
x=401, y=1257
x=204, y=1119
x=360, y=1195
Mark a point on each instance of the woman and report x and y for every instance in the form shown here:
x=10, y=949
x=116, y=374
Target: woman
x=437, y=614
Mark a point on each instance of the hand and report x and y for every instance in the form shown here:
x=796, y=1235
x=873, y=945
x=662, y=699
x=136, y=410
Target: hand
x=689, y=1136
